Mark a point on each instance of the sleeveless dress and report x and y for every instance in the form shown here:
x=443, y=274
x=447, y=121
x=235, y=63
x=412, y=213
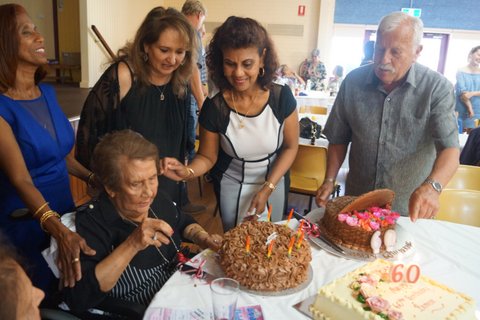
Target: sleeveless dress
x=246, y=155
x=45, y=160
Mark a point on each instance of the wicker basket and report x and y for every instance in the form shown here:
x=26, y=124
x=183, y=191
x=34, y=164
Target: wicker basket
x=353, y=237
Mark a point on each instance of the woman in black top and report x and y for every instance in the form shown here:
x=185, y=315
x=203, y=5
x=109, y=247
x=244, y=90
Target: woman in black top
x=145, y=90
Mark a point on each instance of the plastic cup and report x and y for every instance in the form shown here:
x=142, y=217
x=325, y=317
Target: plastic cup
x=224, y=297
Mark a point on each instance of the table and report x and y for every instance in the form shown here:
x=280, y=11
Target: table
x=446, y=252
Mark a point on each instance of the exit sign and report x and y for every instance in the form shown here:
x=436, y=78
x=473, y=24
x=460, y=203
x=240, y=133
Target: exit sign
x=414, y=12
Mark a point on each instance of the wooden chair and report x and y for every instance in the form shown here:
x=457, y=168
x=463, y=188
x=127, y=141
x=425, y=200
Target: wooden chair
x=308, y=171
x=460, y=206
x=313, y=109
x=466, y=177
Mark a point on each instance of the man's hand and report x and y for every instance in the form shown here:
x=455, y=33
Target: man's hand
x=424, y=203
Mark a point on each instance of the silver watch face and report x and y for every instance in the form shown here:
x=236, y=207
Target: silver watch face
x=437, y=186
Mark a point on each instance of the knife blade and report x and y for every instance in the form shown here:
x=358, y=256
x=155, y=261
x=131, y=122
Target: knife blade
x=298, y=216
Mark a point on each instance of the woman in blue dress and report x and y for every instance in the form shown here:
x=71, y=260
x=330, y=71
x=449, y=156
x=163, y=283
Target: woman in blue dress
x=36, y=139
x=467, y=90
x=249, y=130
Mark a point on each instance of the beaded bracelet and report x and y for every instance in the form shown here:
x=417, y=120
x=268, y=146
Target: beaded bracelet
x=47, y=215
x=40, y=208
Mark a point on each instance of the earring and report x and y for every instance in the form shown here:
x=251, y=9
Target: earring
x=145, y=57
x=261, y=72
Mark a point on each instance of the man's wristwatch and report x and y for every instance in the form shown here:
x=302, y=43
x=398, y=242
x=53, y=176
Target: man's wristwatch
x=437, y=186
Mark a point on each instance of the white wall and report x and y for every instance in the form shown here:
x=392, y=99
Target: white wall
x=117, y=21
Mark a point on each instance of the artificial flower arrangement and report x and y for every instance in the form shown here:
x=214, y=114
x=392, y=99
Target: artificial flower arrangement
x=364, y=288
x=370, y=219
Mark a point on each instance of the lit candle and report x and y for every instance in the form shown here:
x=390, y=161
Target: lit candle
x=290, y=245
x=300, y=239
x=270, y=247
x=289, y=216
x=269, y=212
x=300, y=227
x=247, y=244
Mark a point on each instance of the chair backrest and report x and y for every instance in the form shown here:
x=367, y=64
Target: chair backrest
x=466, y=177
x=71, y=58
x=476, y=122
x=311, y=162
x=460, y=206
x=313, y=109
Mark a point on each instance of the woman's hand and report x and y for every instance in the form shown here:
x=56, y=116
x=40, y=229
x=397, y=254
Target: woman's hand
x=259, y=201
x=69, y=246
x=213, y=241
x=174, y=169
x=151, y=232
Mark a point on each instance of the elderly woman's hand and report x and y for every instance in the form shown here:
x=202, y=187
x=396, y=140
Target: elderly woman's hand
x=174, y=169
x=213, y=241
x=150, y=232
x=69, y=246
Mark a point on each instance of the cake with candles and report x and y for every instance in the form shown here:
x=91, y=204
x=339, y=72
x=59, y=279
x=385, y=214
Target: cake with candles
x=370, y=293
x=263, y=256
x=365, y=223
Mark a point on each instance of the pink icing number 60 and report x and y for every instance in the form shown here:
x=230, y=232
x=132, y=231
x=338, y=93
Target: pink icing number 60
x=411, y=275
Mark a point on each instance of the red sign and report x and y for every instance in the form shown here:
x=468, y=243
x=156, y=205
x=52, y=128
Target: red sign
x=301, y=10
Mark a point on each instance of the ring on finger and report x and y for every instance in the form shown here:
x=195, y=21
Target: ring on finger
x=75, y=260
x=155, y=236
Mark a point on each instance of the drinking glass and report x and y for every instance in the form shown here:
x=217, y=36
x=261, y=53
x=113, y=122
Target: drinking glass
x=224, y=297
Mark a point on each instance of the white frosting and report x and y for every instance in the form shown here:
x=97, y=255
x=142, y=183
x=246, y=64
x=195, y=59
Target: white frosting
x=425, y=299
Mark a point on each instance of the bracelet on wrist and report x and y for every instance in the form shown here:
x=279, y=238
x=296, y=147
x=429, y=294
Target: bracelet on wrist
x=331, y=180
x=270, y=185
x=40, y=209
x=47, y=215
x=90, y=178
x=190, y=172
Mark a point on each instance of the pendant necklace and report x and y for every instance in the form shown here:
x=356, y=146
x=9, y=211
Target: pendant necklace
x=180, y=257
x=162, y=97
x=239, y=117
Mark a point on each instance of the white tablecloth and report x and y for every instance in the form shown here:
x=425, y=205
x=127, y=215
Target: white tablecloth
x=446, y=252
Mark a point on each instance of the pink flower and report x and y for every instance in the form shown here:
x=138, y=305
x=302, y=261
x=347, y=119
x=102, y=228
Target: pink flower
x=394, y=315
x=342, y=217
x=378, y=304
x=374, y=225
x=371, y=279
x=367, y=290
x=352, y=221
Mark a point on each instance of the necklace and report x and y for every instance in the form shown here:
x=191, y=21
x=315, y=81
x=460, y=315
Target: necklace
x=162, y=97
x=240, y=118
x=179, y=254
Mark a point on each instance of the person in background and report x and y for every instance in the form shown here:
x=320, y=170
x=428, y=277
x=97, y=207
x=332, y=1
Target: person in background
x=195, y=13
x=287, y=76
x=19, y=299
x=467, y=90
x=36, y=140
x=314, y=70
x=398, y=118
x=368, y=51
x=336, y=80
x=249, y=130
x=135, y=228
x=145, y=89
x=471, y=151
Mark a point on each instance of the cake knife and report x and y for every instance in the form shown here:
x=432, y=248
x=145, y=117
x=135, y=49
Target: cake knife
x=321, y=237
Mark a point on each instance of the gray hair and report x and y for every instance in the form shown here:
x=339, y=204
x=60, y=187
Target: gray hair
x=191, y=7
x=393, y=20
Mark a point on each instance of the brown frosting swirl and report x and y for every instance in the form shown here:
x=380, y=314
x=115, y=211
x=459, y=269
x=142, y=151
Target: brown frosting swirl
x=254, y=270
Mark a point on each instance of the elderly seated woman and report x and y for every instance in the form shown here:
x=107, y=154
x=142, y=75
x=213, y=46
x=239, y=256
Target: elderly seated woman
x=135, y=229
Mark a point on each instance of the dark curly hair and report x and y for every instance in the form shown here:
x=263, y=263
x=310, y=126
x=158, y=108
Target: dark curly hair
x=236, y=33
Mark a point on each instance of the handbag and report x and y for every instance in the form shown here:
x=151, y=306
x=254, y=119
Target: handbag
x=310, y=129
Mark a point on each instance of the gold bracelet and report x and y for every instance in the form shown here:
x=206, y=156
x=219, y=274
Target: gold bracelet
x=332, y=180
x=89, y=179
x=270, y=185
x=40, y=208
x=47, y=215
x=191, y=173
